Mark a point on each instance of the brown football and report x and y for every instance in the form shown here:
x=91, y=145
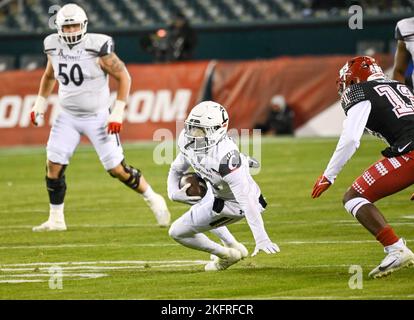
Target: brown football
x=198, y=184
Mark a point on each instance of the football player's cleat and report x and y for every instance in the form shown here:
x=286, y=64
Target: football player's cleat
x=159, y=207
x=397, y=258
x=233, y=256
x=50, y=225
x=238, y=246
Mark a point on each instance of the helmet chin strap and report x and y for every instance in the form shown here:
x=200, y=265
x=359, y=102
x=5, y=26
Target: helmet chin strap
x=376, y=76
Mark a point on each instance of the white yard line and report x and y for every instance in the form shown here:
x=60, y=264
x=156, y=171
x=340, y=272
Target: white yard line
x=151, y=225
x=33, y=275
x=101, y=262
x=167, y=244
x=10, y=272
x=21, y=281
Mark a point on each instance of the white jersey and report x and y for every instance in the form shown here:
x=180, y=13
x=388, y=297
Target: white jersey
x=404, y=31
x=227, y=173
x=215, y=165
x=83, y=85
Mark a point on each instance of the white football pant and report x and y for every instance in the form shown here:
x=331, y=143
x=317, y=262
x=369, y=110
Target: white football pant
x=66, y=133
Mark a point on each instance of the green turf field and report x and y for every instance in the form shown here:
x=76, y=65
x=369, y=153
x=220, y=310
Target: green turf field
x=114, y=250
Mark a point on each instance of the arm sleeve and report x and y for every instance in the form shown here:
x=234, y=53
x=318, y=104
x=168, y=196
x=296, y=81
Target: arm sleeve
x=350, y=138
x=240, y=186
x=177, y=169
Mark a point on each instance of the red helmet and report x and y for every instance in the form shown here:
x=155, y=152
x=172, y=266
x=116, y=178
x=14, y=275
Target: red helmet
x=358, y=69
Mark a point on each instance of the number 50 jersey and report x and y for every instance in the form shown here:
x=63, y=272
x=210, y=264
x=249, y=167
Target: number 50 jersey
x=392, y=112
x=83, y=85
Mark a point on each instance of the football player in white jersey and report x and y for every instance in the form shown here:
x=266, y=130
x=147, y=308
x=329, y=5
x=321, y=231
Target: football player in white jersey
x=232, y=193
x=404, y=34
x=81, y=62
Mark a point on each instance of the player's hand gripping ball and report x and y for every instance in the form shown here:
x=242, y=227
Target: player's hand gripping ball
x=198, y=184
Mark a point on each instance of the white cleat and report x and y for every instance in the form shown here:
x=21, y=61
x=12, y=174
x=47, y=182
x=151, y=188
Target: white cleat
x=159, y=207
x=238, y=246
x=233, y=256
x=241, y=248
x=399, y=256
x=50, y=225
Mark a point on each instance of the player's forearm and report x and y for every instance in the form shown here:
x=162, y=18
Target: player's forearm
x=46, y=86
x=124, y=86
x=172, y=182
x=401, y=61
x=247, y=200
x=177, y=169
x=350, y=138
x=255, y=221
x=398, y=75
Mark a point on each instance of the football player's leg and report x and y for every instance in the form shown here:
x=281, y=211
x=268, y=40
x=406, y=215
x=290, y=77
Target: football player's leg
x=384, y=178
x=189, y=230
x=111, y=155
x=229, y=240
x=62, y=142
x=133, y=179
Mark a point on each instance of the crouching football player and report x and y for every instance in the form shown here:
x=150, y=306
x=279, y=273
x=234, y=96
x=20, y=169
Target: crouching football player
x=232, y=193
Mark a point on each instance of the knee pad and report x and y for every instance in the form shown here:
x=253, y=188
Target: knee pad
x=62, y=170
x=134, y=178
x=353, y=205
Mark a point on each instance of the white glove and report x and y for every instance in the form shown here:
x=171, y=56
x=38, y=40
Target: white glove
x=181, y=196
x=267, y=246
x=114, y=122
x=38, y=110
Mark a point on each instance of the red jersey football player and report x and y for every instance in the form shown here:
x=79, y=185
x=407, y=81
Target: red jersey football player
x=386, y=109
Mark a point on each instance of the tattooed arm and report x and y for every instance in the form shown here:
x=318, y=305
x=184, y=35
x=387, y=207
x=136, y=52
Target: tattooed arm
x=111, y=64
x=116, y=68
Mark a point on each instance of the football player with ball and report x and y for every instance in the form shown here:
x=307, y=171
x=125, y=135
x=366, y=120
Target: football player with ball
x=231, y=195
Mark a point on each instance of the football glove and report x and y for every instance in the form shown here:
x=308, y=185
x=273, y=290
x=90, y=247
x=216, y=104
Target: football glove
x=321, y=185
x=181, y=196
x=38, y=110
x=115, y=118
x=267, y=246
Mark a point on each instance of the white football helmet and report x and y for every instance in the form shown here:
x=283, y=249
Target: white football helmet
x=71, y=14
x=206, y=125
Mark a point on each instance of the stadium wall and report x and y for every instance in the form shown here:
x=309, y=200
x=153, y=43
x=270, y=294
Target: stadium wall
x=162, y=94
x=240, y=41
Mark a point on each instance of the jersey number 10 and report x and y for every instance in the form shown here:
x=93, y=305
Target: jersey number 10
x=401, y=108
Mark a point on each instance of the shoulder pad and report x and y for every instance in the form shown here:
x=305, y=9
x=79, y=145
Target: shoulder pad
x=352, y=95
x=51, y=43
x=230, y=162
x=100, y=44
x=405, y=29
